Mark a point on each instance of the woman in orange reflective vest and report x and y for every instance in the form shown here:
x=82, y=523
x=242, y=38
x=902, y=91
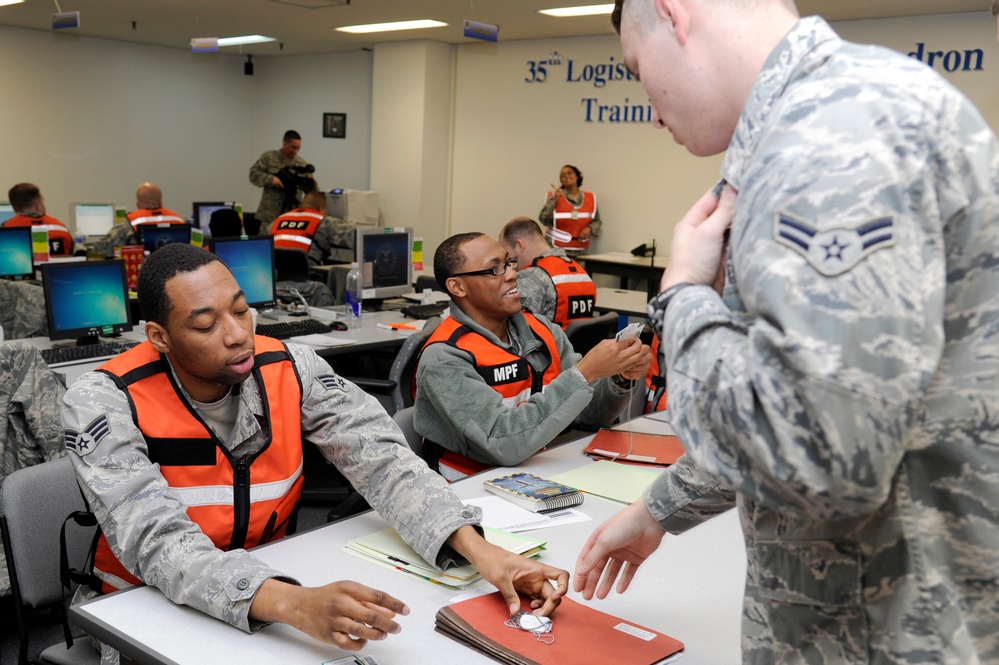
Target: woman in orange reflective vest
x=571, y=213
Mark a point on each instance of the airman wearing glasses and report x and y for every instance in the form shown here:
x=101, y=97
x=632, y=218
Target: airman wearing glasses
x=496, y=384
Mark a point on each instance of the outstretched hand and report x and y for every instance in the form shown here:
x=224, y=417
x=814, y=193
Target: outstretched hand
x=617, y=547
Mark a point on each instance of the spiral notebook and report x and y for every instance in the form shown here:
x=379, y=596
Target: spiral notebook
x=534, y=493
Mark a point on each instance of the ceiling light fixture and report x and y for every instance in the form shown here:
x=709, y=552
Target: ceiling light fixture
x=587, y=10
x=10, y=2
x=245, y=39
x=389, y=27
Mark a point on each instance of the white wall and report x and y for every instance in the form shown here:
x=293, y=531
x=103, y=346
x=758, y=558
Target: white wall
x=89, y=119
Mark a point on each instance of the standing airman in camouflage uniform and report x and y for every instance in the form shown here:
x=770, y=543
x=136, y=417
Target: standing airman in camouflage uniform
x=843, y=389
x=264, y=172
x=30, y=427
x=203, y=331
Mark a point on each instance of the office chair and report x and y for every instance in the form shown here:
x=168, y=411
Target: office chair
x=292, y=265
x=35, y=502
x=427, y=282
x=584, y=334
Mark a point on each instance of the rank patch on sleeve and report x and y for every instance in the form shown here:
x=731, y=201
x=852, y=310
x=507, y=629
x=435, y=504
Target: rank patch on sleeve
x=85, y=442
x=835, y=251
x=333, y=382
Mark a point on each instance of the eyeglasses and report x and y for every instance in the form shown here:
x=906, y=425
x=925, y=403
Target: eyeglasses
x=497, y=270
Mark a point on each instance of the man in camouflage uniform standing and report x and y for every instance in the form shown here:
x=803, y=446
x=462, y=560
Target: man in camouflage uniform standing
x=264, y=172
x=829, y=337
x=30, y=427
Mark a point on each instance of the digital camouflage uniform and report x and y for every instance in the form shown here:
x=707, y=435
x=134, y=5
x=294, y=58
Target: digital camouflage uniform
x=30, y=427
x=458, y=410
x=131, y=499
x=22, y=312
x=124, y=234
x=537, y=290
x=846, y=385
x=272, y=199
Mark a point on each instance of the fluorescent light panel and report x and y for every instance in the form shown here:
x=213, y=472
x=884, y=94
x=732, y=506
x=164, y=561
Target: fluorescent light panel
x=588, y=10
x=245, y=39
x=10, y=2
x=389, y=27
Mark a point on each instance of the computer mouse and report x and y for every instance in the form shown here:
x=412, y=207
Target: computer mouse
x=338, y=325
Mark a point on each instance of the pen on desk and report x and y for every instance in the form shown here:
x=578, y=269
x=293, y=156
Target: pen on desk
x=396, y=326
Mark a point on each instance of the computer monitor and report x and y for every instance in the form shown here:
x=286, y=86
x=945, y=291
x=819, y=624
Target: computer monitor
x=203, y=212
x=6, y=211
x=16, y=253
x=251, y=261
x=153, y=237
x=92, y=220
x=358, y=207
x=385, y=257
x=86, y=299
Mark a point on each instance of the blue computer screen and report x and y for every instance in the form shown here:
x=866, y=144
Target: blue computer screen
x=15, y=252
x=85, y=298
x=251, y=261
x=154, y=237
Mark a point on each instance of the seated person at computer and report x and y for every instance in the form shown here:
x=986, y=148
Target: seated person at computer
x=29, y=204
x=244, y=406
x=148, y=210
x=494, y=384
x=310, y=229
x=550, y=282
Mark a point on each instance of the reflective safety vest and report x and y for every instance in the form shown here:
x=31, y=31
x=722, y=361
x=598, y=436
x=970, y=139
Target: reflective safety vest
x=296, y=228
x=154, y=216
x=576, y=292
x=508, y=374
x=655, y=382
x=60, y=239
x=234, y=507
x=572, y=220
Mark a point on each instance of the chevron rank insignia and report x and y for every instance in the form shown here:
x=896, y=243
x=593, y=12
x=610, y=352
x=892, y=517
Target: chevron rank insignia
x=835, y=251
x=333, y=382
x=85, y=442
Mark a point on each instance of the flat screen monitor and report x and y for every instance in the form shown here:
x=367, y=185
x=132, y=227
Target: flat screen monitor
x=203, y=212
x=6, y=211
x=385, y=257
x=91, y=219
x=251, y=261
x=15, y=253
x=86, y=299
x=154, y=237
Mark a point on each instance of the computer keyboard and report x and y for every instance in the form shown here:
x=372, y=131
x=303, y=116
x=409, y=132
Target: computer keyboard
x=72, y=355
x=288, y=329
x=424, y=311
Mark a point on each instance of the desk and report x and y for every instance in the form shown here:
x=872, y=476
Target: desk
x=691, y=589
x=622, y=264
x=622, y=301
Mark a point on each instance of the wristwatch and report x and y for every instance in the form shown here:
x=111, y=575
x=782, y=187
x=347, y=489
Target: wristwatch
x=657, y=306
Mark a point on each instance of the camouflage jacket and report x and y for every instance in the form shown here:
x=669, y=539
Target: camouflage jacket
x=846, y=384
x=132, y=501
x=23, y=311
x=272, y=199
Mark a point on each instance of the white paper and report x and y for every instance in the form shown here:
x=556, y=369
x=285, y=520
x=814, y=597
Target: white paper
x=498, y=513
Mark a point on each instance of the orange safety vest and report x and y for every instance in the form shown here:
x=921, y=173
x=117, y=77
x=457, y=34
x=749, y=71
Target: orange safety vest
x=576, y=292
x=296, y=228
x=655, y=382
x=60, y=240
x=154, y=216
x=508, y=374
x=573, y=220
x=234, y=507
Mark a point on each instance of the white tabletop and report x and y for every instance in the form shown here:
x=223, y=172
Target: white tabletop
x=623, y=259
x=690, y=589
x=622, y=301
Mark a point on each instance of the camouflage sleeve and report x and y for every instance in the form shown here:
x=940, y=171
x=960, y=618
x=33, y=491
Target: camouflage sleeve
x=547, y=214
x=803, y=401
x=146, y=526
x=683, y=497
x=537, y=292
x=355, y=433
x=263, y=170
x=596, y=224
x=24, y=315
x=119, y=236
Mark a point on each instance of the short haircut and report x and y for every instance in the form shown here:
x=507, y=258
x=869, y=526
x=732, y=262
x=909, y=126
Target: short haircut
x=579, y=174
x=160, y=267
x=448, y=257
x=292, y=135
x=315, y=200
x=23, y=195
x=995, y=7
x=225, y=223
x=519, y=228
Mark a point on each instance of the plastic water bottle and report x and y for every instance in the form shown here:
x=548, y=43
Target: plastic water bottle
x=354, y=297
